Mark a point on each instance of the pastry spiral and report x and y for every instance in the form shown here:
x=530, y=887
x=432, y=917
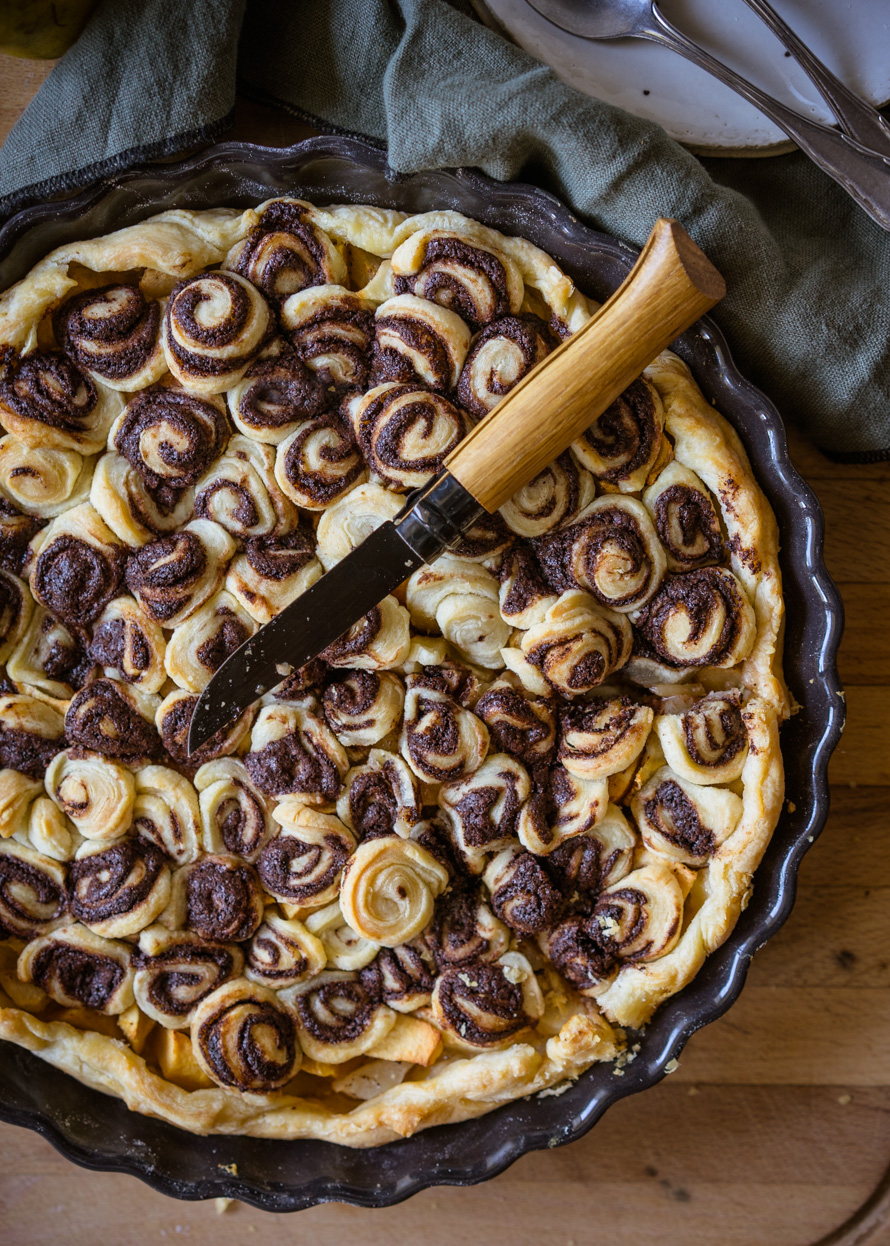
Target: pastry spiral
x=319, y=462
x=380, y=797
x=522, y=894
x=583, y=865
x=440, y=740
x=118, y=889
x=621, y=446
x=31, y=733
x=114, y=720
x=574, y=946
x=277, y=395
x=49, y=657
x=302, y=865
x=685, y=519
x=460, y=599
x=240, y=492
x=499, y=357
x=176, y=969
x=684, y=821
x=553, y=498
x=361, y=707
x=708, y=743
x=293, y=751
x=338, y=1016
x=389, y=889
x=333, y=331
x=405, y=433
x=600, y=738
x=76, y=967
x=484, y=1006
x=165, y=813
x=403, y=976
x=243, y=1039
x=343, y=947
x=235, y=818
x=214, y=326
x=112, y=334
x=173, y=576
x=482, y=810
x=170, y=436
x=464, y=931
x=283, y=952
x=173, y=719
x=41, y=481
x=578, y=643
x=200, y=645
x=477, y=282
x=611, y=550
x=219, y=898
x=286, y=252
x=561, y=806
x=640, y=917
x=418, y=341
x=701, y=618
x=95, y=793
x=273, y=571
x=523, y=597
x=16, y=532
x=33, y=896
x=520, y=723
x=16, y=608
x=46, y=401
x=351, y=519
x=129, y=645
x=377, y=641
x=78, y=566
x=134, y=508
x=483, y=540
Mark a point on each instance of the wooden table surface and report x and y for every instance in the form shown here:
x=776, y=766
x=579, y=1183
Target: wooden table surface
x=774, y=1130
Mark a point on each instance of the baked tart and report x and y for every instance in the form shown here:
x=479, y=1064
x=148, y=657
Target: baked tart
x=455, y=859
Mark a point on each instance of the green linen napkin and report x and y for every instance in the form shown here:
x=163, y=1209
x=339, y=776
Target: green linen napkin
x=808, y=308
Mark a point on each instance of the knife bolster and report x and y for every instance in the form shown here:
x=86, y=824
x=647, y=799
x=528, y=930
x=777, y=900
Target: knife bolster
x=436, y=516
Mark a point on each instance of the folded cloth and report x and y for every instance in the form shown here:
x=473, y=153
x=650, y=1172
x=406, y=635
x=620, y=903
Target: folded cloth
x=808, y=308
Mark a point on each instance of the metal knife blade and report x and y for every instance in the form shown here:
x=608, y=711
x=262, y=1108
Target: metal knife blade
x=304, y=628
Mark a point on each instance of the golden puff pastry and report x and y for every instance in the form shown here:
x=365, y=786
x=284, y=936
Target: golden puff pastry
x=41, y=481
x=96, y=793
x=514, y=806
x=77, y=566
x=173, y=576
x=215, y=323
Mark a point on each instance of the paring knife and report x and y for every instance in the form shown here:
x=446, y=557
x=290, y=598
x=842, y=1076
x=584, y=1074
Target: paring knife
x=669, y=287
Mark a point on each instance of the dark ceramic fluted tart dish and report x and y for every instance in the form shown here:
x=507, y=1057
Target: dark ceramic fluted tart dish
x=279, y=1175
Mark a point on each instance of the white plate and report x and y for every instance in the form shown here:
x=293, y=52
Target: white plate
x=852, y=37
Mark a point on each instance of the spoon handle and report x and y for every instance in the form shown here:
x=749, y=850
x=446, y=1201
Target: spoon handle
x=864, y=175
x=858, y=118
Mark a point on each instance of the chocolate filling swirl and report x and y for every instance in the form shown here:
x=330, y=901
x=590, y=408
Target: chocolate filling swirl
x=466, y=279
x=33, y=896
x=164, y=573
x=480, y=1004
x=247, y=1041
x=75, y=580
x=297, y=870
x=101, y=717
x=47, y=387
x=115, y=882
x=177, y=977
x=406, y=434
x=112, y=330
x=319, y=462
x=500, y=356
x=69, y=973
x=223, y=899
x=170, y=437
x=279, y=391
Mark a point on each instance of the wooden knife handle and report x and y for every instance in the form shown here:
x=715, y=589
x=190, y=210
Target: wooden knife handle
x=669, y=287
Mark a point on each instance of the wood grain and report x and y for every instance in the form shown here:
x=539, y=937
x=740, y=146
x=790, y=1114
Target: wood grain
x=775, y=1127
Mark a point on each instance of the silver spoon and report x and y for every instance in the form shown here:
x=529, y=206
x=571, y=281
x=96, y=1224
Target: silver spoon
x=857, y=118
x=863, y=174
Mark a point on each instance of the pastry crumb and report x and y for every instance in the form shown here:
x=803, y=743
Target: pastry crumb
x=222, y=1205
